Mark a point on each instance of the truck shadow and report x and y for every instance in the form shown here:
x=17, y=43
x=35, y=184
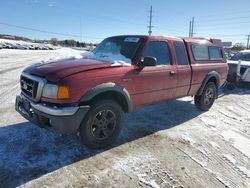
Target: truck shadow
x=244, y=90
x=28, y=152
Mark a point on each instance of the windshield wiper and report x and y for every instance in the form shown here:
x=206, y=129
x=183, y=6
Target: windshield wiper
x=103, y=56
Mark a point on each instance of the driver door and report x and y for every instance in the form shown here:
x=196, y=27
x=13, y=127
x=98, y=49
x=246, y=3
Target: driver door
x=155, y=83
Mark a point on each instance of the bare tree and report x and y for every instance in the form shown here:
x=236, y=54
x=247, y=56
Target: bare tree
x=54, y=41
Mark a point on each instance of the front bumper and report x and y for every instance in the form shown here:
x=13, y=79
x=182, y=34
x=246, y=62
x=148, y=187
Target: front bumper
x=60, y=119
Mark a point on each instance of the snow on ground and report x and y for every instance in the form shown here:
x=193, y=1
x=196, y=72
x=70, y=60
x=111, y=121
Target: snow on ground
x=166, y=145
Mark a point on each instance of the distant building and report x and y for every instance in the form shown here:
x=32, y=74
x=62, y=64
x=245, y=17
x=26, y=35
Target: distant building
x=227, y=44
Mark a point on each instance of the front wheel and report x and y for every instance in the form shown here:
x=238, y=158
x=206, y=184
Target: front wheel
x=207, y=98
x=102, y=124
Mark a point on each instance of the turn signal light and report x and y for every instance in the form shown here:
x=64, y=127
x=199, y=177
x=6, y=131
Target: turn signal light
x=63, y=92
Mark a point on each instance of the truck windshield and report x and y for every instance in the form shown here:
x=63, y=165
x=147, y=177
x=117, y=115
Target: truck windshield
x=119, y=50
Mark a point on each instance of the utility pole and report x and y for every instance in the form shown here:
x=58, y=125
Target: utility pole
x=248, y=40
x=150, y=21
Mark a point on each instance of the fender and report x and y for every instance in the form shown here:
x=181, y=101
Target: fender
x=212, y=74
x=110, y=86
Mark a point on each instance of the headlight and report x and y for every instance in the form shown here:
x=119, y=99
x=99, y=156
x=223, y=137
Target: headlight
x=50, y=91
x=55, y=92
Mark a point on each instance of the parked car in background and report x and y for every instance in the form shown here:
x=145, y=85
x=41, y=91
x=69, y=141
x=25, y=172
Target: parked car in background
x=24, y=45
x=9, y=46
x=20, y=47
x=31, y=47
x=242, y=55
x=239, y=69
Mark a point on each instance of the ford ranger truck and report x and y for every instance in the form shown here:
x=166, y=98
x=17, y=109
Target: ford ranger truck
x=89, y=96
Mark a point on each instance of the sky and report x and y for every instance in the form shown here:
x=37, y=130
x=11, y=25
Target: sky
x=94, y=20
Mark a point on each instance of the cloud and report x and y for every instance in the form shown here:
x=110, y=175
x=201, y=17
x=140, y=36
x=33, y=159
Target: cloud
x=51, y=3
x=32, y=1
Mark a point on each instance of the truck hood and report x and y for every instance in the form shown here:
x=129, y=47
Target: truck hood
x=54, y=71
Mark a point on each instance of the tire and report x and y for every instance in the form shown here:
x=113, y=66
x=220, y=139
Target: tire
x=102, y=124
x=207, y=97
x=231, y=86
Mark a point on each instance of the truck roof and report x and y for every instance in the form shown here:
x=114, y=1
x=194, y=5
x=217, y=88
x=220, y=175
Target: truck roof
x=197, y=40
x=200, y=40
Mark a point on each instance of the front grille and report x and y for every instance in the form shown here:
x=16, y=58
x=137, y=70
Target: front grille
x=29, y=86
x=32, y=86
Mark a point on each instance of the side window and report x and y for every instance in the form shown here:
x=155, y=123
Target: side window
x=215, y=53
x=246, y=57
x=159, y=50
x=180, y=53
x=200, y=52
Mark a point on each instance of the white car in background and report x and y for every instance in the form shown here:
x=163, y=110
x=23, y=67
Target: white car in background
x=20, y=47
x=239, y=68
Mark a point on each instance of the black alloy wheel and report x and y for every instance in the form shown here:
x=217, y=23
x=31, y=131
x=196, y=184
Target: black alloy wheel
x=102, y=124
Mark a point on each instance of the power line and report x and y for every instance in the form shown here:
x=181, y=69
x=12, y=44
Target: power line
x=216, y=27
x=220, y=28
x=167, y=29
x=74, y=12
x=229, y=18
x=227, y=35
x=225, y=13
x=93, y=16
x=232, y=35
x=38, y=30
x=218, y=24
x=45, y=31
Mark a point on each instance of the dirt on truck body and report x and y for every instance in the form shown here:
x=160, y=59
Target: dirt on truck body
x=90, y=95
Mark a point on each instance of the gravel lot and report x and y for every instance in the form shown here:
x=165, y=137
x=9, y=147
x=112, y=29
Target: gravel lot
x=166, y=145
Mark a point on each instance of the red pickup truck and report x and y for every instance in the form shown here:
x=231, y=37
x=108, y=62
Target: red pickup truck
x=89, y=95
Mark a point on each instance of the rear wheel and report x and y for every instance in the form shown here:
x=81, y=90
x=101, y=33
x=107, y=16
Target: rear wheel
x=102, y=124
x=207, y=98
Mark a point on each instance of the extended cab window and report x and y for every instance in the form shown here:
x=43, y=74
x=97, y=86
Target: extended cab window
x=215, y=53
x=159, y=50
x=180, y=53
x=200, y=52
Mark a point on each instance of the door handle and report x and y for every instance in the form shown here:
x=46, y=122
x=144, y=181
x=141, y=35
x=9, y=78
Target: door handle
x=127, y=79
x=172, y=72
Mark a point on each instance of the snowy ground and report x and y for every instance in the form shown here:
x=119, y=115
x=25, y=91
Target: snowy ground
x=167, y=145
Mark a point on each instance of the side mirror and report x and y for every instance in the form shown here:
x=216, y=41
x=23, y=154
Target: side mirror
x=147, y=61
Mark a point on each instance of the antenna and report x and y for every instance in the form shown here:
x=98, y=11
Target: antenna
x=150, y=21
x=191, y=28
